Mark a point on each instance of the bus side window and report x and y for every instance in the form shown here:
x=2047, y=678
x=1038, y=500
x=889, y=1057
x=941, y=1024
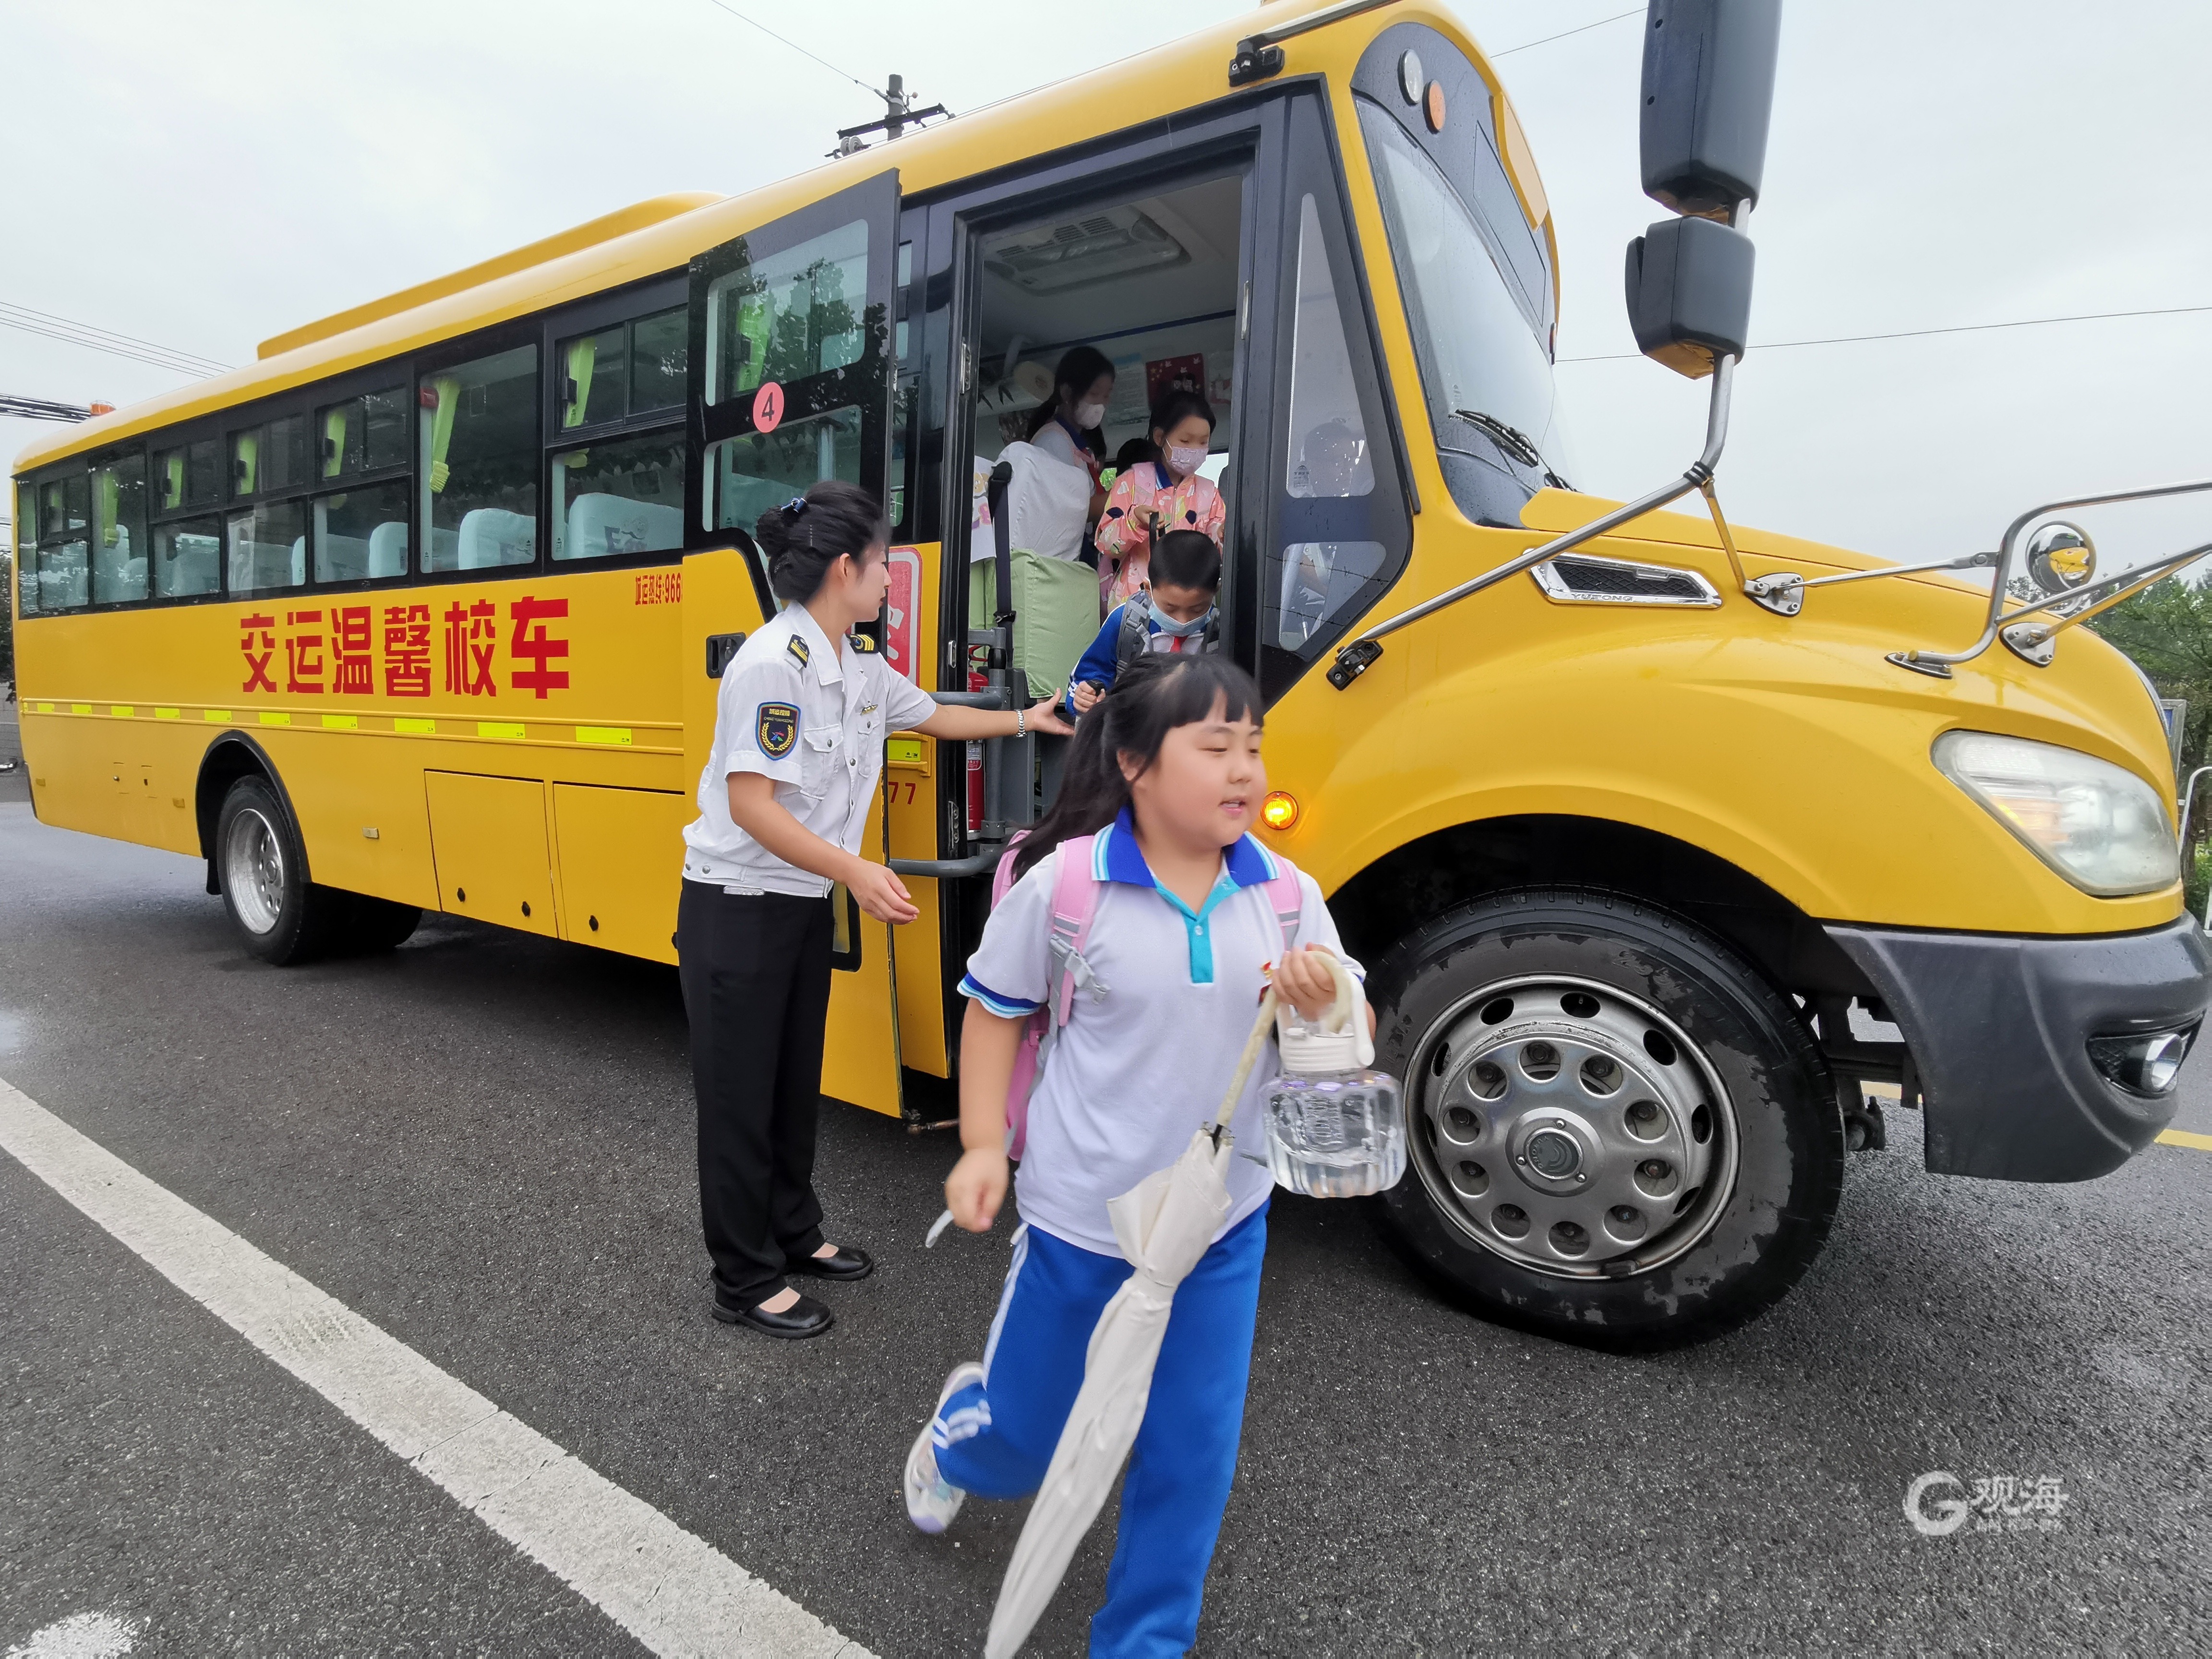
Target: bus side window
x=65, y=557
x=1313, y=584
x=620, y=491
x=26, y=549
x=479, y=462
x=118, y=543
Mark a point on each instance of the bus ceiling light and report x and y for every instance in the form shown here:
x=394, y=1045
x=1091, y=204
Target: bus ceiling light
x=2098, y=825
x=1708, y=92
x=1280, y=810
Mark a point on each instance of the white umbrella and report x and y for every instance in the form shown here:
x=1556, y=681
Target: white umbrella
x=1165, y=1222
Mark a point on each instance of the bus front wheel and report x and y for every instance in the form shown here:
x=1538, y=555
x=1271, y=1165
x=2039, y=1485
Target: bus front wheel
x=280, y=915
x=1619, y=1133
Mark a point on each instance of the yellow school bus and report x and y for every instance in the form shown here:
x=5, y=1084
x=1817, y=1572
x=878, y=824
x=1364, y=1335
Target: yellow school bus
x=424, y=610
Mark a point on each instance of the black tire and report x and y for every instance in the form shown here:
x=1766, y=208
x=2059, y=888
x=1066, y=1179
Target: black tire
x=278, y=915
x=1714, y=1032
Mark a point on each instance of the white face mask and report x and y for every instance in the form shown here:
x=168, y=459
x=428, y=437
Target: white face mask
x=1088, y=416
x=1186, y=460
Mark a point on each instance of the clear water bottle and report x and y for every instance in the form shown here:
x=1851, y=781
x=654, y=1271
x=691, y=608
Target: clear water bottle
x=1336, y=1126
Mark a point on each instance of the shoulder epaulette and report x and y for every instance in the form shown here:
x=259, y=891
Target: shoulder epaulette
x=795, y=649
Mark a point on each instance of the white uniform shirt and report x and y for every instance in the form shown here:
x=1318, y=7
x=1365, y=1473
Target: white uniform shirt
x=812, y=716
x=1046, y=501
x=1133, y=1075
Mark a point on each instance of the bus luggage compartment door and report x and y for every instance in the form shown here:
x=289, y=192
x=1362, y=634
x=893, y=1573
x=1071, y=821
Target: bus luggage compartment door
x=488, y=840
x=622, y=858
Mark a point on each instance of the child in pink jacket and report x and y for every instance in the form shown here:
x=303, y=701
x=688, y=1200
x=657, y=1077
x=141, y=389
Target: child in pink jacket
x=1154, y=497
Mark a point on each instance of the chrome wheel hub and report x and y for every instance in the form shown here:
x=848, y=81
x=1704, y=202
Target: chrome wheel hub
x=1571, y=1127
x=253, y=871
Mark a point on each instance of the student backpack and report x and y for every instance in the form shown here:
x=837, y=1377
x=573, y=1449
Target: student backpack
x=1075, y=892
x=1134, y=637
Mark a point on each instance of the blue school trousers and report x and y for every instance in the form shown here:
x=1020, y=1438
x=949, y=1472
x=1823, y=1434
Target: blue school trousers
x=995, y=1439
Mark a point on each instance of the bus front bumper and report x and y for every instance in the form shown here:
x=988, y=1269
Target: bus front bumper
x=2000, y=1031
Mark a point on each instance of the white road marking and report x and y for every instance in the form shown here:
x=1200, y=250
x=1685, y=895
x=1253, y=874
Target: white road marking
x=82, y=1636
x=671, y=1589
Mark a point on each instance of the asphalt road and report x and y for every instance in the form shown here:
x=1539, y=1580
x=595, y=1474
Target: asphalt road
x=482, y=1143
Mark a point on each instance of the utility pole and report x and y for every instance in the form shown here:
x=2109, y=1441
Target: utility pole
x=899, y=113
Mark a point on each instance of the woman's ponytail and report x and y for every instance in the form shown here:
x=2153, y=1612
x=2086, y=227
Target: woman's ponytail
x=801, y=539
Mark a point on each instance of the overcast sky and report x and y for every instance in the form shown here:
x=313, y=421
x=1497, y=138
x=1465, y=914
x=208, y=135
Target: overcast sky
x=205, y=175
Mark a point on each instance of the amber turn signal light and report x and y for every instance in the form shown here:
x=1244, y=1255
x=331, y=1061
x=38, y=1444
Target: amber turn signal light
x=1280, y=810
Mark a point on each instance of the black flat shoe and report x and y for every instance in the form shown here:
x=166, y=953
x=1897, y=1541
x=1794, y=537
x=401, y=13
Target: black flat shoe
x=848, y=1262
x=802, y=1319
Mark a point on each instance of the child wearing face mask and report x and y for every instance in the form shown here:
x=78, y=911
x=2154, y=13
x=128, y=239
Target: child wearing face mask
x=1151, y=499
x=1070, y=427
x=1174, y=617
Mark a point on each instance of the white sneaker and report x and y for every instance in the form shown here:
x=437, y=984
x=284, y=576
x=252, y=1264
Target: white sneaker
x=931, y=1500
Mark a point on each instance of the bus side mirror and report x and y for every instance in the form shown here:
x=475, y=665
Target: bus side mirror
x=1689, y=294
x=1708, y=94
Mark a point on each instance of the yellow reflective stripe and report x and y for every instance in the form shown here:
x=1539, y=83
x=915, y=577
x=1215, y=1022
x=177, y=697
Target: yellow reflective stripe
x=215, y=716
x=500, y=729
x=45, y=708
x=275, y=717
x=341, y=722
x=616, y=734
x=168, y=713
x=80, y=708
x=415, y=724
x=123, y=710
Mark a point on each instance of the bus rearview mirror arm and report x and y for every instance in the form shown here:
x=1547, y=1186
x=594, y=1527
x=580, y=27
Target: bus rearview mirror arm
x=1354, y=660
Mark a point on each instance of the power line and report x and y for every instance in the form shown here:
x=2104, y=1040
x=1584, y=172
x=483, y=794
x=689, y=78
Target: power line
x=107, y=340
x=796, y=47
x=108, y=333
x=1919, y=333
x=1563, y=34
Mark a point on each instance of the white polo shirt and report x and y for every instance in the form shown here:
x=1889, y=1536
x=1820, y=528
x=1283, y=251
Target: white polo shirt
x=1132, y=1075
x=812, y=716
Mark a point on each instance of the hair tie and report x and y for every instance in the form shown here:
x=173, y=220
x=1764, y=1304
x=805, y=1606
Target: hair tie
x=794, y=507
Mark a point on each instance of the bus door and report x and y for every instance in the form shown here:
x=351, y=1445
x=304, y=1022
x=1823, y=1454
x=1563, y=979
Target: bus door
x=790, y=386
x=1142, y=251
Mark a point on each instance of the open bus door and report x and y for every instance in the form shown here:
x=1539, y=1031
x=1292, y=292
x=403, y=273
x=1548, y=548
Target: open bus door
x=791, y=385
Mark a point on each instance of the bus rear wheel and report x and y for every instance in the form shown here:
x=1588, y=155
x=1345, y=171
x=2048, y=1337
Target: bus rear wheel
x=1619, y=1133
x=278, y=915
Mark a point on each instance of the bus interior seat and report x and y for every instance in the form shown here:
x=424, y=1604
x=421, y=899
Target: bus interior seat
x=387, y=550
x=491, y=536
x=602, y=526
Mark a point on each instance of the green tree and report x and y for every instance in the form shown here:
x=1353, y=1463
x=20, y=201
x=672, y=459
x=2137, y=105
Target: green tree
x=2167, y=629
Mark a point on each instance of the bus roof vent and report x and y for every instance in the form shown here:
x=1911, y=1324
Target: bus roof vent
x=1116, y=242
x=1582, y=578
x=605, y=229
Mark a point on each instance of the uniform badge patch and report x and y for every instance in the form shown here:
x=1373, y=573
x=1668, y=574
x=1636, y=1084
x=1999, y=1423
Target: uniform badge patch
x=796, y=648
x=777, y=727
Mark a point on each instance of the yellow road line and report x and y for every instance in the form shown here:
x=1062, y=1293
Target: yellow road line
x=2186, y=1138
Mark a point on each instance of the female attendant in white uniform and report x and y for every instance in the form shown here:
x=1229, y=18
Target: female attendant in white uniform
x=798, y=743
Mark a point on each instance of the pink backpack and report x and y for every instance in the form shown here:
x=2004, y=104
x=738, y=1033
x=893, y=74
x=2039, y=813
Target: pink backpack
x=1074, y=902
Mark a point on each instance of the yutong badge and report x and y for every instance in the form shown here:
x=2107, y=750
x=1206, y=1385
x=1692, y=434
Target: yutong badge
x=778, y=728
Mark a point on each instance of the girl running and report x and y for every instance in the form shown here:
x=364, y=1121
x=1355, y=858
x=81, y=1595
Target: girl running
x=1163, y=785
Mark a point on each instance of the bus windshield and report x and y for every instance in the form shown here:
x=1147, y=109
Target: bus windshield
x=1486, y=371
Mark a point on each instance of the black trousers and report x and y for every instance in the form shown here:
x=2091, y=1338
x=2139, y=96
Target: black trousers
x=756, y=974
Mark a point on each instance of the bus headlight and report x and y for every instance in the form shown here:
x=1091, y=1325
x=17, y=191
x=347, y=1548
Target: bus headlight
x=2098, y=825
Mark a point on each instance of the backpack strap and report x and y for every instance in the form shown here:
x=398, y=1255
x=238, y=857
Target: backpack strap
x=1136, y=630
x=1074, y=904
x=1286, y=898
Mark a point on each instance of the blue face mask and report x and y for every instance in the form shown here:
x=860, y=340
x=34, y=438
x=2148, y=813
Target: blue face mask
x=1181, y=630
